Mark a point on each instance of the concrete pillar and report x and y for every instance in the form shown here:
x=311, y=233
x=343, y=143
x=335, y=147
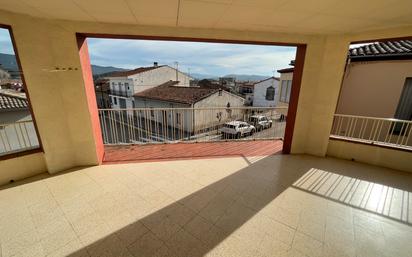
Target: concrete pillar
x=321, y=82
x=62, y=102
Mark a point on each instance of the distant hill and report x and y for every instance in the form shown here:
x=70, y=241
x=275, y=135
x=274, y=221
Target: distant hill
x=8, y=62
x=200, y=76
x=239, y=77
x=245, y=77
x=97, y=70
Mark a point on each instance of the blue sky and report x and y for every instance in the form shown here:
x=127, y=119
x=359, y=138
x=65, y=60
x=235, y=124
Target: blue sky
x=205, y=58
x=6, y=46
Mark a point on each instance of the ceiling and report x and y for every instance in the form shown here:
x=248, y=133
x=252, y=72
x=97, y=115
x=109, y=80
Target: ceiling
x=295, y=16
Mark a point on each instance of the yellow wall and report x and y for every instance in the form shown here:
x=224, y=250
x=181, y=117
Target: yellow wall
x=21, y=167
x=390, y=158
x=373, y=88
x=59, y=99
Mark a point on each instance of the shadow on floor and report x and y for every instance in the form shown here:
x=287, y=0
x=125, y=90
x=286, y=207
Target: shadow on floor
x=219, y=203
x=179, y=151
x=230, y=203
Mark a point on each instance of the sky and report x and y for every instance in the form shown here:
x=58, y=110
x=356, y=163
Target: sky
x=193, y=57
x=6, y=46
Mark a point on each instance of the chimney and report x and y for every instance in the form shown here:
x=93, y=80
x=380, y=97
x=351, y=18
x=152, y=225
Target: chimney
x=155, y=64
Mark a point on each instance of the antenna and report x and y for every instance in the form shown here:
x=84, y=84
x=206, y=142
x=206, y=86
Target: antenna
x=177, y=70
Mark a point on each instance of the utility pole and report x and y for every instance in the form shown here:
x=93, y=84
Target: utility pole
x=177, y=71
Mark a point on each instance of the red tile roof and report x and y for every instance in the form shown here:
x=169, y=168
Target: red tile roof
x=132, y=72
x=287, y=70
x=169, y=92
x=11, y=102
x=398, y=49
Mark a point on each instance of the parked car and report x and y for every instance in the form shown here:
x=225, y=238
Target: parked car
x=237, y=129
x=260, y=122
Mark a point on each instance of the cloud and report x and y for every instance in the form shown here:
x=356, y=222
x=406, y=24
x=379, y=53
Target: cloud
x=208, y=58
x=6, y=47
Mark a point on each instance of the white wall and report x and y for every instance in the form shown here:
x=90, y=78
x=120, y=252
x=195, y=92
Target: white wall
x=156, y=77
x=119, y=84
x=283, y=88
x=259, y=94
x=208, y=118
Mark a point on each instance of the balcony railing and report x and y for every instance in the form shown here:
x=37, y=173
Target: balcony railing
x=378, y=131
x=172, y=125
x=17, y=137
x=124, y=93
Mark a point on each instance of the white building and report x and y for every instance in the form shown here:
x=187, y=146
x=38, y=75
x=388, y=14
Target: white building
x=266, y=93
x=286, y=76
x=171, y=95
x=124, y=84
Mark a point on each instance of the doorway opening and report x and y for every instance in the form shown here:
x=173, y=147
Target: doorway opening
x=155, y=93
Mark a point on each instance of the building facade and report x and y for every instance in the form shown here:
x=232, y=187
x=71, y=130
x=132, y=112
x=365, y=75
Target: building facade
x=217, y=102
x=380, y=73
x=285, y=81
x=266, y=93
x=124, y=84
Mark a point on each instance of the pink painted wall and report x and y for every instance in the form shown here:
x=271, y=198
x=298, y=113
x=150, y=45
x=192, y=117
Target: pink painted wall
x=91, y=97
x=373, y=88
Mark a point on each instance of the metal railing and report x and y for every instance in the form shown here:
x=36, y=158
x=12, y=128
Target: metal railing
x=17, y=137
x=124, y=93
x=378, y=131
x=172, y=125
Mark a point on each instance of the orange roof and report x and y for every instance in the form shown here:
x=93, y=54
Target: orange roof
x=169, y=92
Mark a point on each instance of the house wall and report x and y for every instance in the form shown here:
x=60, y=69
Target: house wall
x=118, y=84
x=375, y=155
x=155, y=77
x=259, y=93
x=373, y=88
x=66, y=119
x=13, y=116
x=283, y=76
x=116, y=104
x=212, y=117
x=158, y=115
x=22, y=167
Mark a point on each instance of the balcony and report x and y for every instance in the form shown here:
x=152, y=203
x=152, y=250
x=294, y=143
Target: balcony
x=143, y=134
x=124, y=93
x=238, y=206
x=384, y=132
x=17, y=137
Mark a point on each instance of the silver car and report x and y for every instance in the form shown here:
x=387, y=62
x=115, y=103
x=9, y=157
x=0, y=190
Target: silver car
x=237, y=129
x=260, y=122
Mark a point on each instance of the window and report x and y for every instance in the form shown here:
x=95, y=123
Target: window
x=115, y=100
x=404, y=109
x=286, y=87
x=288, y=91
x=178, y=118
x=283, y=89
x=270, y=93
x=18, y=131
x=220, y=92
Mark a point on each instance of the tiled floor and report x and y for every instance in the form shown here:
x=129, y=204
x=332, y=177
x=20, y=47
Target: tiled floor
x=161, y=152
x=239, y=206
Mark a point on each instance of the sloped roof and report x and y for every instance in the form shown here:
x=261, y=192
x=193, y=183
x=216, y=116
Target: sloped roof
x=398, y=49
x=265, y=80
x=169, y=92
x=11, y=102
x=132, y=72
x=286, y=70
